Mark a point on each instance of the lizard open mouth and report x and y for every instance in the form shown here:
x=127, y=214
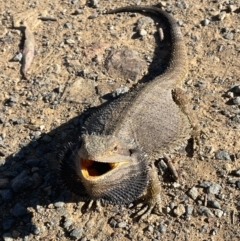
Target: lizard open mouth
x=94, y=169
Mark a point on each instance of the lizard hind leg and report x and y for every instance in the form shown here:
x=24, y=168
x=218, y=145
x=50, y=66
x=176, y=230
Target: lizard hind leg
x=152, y=199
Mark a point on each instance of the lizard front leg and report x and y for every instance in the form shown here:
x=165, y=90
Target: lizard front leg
x=152, y=197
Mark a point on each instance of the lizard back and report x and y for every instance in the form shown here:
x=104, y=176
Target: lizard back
x=149, y=114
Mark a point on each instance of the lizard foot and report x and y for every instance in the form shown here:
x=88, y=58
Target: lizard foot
x=96, y=205
x=148, y=207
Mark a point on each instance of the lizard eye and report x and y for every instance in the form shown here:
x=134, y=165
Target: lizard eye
x=115, y=148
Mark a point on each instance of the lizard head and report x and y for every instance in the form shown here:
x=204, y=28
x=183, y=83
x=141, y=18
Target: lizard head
x=105, y=168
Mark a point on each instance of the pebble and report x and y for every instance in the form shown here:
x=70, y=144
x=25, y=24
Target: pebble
x=21, y=182
x=47, y=139
x=33, y=162
x=193, y=193
x=94, y=15
x=3, y=182
x=18, y=57
x=6, y=194
x=68, y=25
x=189, y=210
x=122, y=225
x=162, y=166
x=143, y=32
x=94, y=3
x=150, y=228
x=229, y=36
x=7, y=223
x=13, y=99
x=36, y=230
x=213, y=204
x=2, y=118
x=180, y=210
x=214, y=189
x=162, y=228
x=236, y=173
x=78, y=11
x=206, y=22
x=205, y=184
x=19, y=210
x=7, y=237
x=67, y=224
x=120, y=91
x=236, y=89
x=59, y=204
x=218, y=213
x=202, y=210
x=221, y=16
x=76, y=233
x=222, y=155
x=236, y=100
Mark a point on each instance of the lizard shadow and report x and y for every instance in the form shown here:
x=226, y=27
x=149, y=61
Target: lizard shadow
x=29, y=178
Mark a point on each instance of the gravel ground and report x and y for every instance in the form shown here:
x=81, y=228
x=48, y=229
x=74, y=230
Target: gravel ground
x=75, y=70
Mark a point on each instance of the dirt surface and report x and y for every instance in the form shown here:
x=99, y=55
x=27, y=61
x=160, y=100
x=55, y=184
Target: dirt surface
x=69, y=77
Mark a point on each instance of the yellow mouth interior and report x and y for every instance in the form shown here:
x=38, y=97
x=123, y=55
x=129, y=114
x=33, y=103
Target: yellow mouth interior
x=94, y=169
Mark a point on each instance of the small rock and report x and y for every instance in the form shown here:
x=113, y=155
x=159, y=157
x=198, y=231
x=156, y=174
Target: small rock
x=7, y=223
x=202, y=210
x=176, y=185
x=193, y=193
x=180, y=210
x=19, y=210
x=21, y=182
x=122, y=225
x=70, y=41
x=213, y=204
x=47, y=139
x=13, y=99
x=150, y=228
x=34, y=162
x=222, y=154
x=59, y=204
x=68, y=25
x=214, y=189
x=218, y=213
x=15, y=234
x=229, y=36
x=36, y=230
x=76, y=233
x=236, y=101
x=94, y=3
x=94, y=15
x=120, y=91
x=78, y=11
x=221, y=16
x=232, y=8
x=7, y=237
x=143, y=32
x=189, y=210
x=3, y=182
x=205, y=184
x=67, y=224
x=238, y=184
x=6, y=194
x=206, y=22
x=162, y=228
x=162, y=166
x=236, y=89
x=2, y=118
x=18, y=57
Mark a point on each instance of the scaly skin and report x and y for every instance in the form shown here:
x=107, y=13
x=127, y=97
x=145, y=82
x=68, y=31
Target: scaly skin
x=150, y=119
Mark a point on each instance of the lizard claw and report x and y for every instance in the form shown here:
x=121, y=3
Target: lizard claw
x=97, y=204
x=148, y=207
